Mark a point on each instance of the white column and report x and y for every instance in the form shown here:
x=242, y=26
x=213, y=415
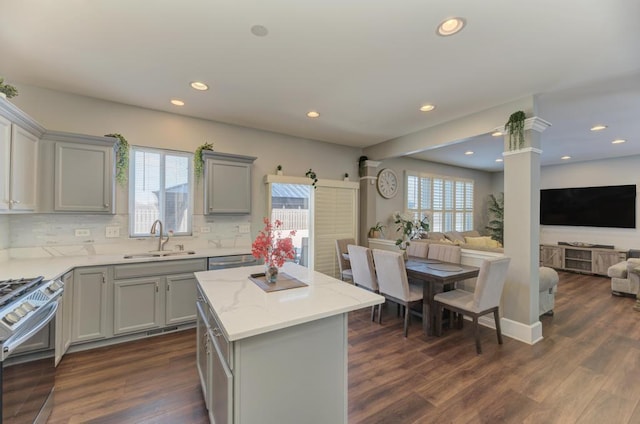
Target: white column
x=367, y=199
x=522, y=233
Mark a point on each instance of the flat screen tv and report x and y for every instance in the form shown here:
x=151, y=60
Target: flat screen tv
x=607, y=206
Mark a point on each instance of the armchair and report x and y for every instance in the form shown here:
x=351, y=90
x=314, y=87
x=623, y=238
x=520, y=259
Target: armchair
x=625, y=277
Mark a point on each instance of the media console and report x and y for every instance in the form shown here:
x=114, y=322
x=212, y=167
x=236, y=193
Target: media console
x=591, y=260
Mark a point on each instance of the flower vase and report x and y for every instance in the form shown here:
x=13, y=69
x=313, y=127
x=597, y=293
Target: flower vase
x=270, y=273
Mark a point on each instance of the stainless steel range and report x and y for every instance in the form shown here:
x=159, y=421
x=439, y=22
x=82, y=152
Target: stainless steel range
x=27, y=314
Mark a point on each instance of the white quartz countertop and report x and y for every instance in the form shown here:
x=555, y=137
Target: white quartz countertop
x=56, y=266
x=244, y=309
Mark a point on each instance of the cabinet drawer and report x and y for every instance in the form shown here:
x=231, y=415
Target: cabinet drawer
x=224, y=346
x=158, y=268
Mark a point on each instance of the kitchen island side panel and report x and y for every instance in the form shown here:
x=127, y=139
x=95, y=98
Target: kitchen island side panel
x=293, y=375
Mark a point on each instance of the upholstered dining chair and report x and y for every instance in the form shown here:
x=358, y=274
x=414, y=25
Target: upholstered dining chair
x=418, y=249
x=484, y=300
x=444, y=253
x=343, y=264
x=364, y=272
x=394, y=284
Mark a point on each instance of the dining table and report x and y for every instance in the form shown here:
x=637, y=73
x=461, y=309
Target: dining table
x=432, y=273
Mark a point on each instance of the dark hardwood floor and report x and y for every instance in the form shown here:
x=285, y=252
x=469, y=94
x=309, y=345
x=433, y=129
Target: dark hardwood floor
x=586, y=370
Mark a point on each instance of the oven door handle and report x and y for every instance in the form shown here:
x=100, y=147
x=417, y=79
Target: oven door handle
x=26, y=333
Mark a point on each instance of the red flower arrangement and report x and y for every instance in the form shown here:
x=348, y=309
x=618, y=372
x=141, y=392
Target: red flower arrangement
x=270, y=246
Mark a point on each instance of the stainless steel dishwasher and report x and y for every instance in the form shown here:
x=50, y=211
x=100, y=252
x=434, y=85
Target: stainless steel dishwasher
x=231, y=261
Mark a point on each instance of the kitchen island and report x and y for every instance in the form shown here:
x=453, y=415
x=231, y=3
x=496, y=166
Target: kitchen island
x=278, y=357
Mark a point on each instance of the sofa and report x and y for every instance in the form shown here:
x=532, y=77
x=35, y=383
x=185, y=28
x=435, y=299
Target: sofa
x=625, y=277
x=465, y=239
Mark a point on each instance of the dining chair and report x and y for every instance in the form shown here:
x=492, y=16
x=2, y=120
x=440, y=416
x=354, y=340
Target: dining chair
x=418, y=249
x=394, y=284
x=444, y=253
x=484, y=300
x=364, y=272
x=343, y=264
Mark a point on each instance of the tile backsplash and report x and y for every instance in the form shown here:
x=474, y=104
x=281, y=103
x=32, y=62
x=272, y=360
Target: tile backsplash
x=58, y=232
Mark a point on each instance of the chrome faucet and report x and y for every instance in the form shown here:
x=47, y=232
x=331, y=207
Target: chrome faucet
x=161, y=242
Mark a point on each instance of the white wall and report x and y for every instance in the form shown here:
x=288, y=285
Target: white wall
x=617, y=171
x=386, y=207
x=72, y=113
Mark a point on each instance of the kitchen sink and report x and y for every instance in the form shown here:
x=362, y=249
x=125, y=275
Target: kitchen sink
x=159, y=253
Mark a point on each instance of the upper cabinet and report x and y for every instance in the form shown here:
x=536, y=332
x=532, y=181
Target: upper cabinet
x=227, y=188
x=19, y=137
x=83, y=172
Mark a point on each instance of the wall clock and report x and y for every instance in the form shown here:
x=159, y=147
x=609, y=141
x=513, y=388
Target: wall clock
x=387, y=183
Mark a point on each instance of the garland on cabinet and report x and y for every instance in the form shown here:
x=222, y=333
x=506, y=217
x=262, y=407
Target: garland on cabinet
x=122, y=158
x=198, y=161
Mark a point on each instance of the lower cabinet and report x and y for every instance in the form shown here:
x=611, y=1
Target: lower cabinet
x=136, y=304
x=64, y=318
x=180, y=298
x=90, y=304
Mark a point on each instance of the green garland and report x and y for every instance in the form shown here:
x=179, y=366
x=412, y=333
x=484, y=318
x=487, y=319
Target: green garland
x=312, y=175
x=122, y=158
x=515, y=128
x=198, y=161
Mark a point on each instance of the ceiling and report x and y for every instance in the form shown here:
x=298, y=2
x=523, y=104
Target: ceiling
x=365, y=66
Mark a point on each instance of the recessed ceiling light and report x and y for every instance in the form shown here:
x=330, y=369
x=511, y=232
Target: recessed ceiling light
x=450, y=26
x=427, y=108
x=200, y=86
x=499, y=160
x=313, y=114
x=496, y=134
x=259, y=31
x=565, y=157
x=618, y=141
x=177, y=102
x=468, y=152
x=598, y=127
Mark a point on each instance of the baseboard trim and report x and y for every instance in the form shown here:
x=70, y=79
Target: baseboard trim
x=530, y=334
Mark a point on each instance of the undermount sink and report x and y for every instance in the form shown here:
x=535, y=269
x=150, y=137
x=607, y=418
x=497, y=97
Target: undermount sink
x=159, y=253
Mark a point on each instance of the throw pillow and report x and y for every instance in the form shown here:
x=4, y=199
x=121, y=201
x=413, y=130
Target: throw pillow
x=476, y=241
x=434, y=235
x=455, y=237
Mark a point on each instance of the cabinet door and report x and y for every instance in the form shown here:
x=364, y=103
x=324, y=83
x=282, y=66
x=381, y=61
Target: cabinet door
x=90, y=316
x=67, y=315
x=136, y=304
x=228, y=187
x=24, y=166
x=83, y=177
x=59, y=327
x=551, y=256
x=202, y=353
x=5, y=162
x=602, y=260
x=220, y=388
x=180, y=299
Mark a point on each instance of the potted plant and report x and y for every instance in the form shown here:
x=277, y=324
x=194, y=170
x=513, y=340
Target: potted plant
x=346, y=176
x=122, y=158
x=515, y=128
x=279, y=170
x=6, y=90
x=496, y=212
x=198, y=161
x=376, y=230
x=361, y=162
x=312, y=175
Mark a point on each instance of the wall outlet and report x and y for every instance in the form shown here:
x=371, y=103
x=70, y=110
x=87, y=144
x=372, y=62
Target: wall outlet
x=206, y=229
x=83, y=232
x=112, y=232
x=244, y=228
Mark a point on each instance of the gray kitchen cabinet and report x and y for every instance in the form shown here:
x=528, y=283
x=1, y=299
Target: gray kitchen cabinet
x=154, y=295
x=90, y=304
x=19, y=137
x=227, y=187
x=180, y=305
x=64, y=318
x=137, y=304
x=77, y=173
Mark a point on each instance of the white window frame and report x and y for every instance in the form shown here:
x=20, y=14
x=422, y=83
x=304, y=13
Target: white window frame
x=132, y=170
x=453, y=210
